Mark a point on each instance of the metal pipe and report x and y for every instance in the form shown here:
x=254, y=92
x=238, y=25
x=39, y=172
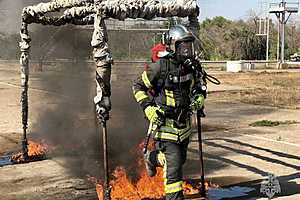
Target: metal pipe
x=106, y=188
x=278, y=39
x=283, y=34
x=202, y=189
x=268, y=38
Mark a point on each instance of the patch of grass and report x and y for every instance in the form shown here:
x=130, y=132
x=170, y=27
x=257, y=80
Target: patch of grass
x=272, y=123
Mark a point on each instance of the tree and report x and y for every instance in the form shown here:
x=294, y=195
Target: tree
x=225, y=39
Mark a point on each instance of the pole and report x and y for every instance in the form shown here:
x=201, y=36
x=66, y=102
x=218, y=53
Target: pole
x=146, y=142
x=106, y=188
x=199, y=115
x=278, y=39
x=268, y=38
x=282, y=34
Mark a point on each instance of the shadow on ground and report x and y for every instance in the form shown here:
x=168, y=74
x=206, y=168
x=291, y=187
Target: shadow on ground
x=216, y=161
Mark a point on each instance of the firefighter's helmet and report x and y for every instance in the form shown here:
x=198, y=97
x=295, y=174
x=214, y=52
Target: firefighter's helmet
x=181, y=41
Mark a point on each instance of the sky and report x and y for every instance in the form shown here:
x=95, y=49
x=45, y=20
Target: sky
x=238, y=9
x=232, y=9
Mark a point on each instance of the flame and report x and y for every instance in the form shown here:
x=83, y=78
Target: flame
x=145, y=187
x=36, y=151
x=122, y=187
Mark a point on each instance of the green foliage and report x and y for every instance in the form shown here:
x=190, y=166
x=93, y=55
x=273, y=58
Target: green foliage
x=272, y=123
x=265, y=123
x=225, y=39
x=218, y=21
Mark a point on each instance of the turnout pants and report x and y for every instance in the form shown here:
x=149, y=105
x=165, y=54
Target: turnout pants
x=171, y=156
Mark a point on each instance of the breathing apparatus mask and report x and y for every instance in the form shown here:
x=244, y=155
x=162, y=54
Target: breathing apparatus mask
x=184, y=50
x=180, y=41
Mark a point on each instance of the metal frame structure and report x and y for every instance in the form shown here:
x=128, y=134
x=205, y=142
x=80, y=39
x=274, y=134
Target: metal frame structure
x=264, y=31
x=264, y=24
x=132, y=25
x=283, y=11
x=94, y=12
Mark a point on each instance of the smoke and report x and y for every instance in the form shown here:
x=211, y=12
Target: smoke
x=10, y=14
x=67, y=120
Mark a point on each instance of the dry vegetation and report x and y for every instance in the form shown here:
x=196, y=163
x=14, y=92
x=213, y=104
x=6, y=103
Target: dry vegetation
x=280, y=89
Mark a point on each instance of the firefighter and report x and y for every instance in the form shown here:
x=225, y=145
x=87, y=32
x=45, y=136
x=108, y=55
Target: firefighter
x=178, y=91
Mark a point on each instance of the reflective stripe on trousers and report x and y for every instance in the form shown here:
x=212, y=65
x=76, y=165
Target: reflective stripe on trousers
x=169, y=187
x=169, y=133
x=171, y=156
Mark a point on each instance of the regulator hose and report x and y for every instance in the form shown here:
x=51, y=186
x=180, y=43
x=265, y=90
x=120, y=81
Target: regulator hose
x=211, y=79
x=195, y=63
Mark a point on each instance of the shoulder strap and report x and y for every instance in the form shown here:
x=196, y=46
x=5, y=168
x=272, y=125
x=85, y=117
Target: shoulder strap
x=164, y=70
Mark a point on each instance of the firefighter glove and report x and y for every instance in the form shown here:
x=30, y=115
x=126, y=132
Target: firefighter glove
x=197, y=102
x=154, y=115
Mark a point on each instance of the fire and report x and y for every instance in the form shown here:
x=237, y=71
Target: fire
x=145, y=187
x=36, y=151
x=122, y=187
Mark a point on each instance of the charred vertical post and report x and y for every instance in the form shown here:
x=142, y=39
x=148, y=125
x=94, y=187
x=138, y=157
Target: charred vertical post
x=102, y=57
x=24, y=62
x=103, y=60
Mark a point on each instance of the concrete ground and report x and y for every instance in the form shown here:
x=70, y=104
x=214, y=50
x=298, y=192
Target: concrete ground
x=247, y=154
x=235, y=153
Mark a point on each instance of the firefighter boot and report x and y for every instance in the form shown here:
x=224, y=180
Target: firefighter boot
x=150, y=167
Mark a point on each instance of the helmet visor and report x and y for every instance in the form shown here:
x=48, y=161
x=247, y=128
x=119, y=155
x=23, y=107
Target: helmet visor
x=185, y=50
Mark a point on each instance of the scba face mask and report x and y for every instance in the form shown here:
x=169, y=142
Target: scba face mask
x=184, y=51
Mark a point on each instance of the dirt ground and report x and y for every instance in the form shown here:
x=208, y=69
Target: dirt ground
x=273, y=88
x=236, y=154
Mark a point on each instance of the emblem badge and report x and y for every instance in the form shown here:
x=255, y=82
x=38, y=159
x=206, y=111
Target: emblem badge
x=270, y=187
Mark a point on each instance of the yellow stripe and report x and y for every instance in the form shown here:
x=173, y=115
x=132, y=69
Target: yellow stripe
x=186, y=132
x=146, y=80
x=165, y=168
x=161, y=159
x=174, y=187
x=168, y=129
x=166, y=136
x=140, y=95
x=170, y=98
x=185, y=135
